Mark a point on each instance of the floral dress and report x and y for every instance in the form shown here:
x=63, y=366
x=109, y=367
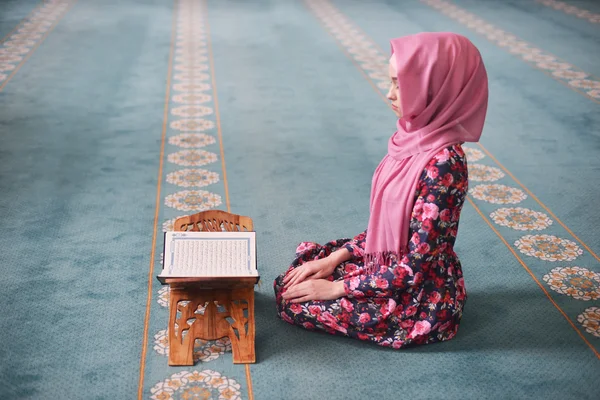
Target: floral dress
x=419, y=299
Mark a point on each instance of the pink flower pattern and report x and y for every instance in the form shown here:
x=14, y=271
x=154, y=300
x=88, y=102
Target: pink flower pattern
x=419, y=298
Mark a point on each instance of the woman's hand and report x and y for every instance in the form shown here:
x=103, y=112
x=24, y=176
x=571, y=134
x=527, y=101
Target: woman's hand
x=314, y=289
x=317, y=269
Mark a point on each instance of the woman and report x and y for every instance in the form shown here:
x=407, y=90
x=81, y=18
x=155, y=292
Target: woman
x=400, y=282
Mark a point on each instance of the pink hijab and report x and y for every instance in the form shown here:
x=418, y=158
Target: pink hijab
x=444, y=92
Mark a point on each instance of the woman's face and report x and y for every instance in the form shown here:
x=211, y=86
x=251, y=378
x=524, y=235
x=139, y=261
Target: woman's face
x=394, y=93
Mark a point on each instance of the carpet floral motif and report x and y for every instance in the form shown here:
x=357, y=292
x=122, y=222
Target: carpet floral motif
x=188, y=125
x=192, y=158
x=548, y=248
x=193, y=59
x=484, y=173
x=193, y=200
x=10, y=58
x=579, y=283
x=193, y=178
x=498, y=194
x=188, y=87
x=193, y=67
x=205, y=384
x=590, y=320
x=473, y=154
x=192, y=98
x=6, y=67
x=191, y=76
x=521, y=219
x=192, y=111
x=192, y=140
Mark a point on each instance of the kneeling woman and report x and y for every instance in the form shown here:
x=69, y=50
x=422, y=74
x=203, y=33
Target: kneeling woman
x=400, y=282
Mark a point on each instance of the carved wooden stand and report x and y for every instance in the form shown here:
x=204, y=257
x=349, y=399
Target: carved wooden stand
x=196, y=301
x=200, y=318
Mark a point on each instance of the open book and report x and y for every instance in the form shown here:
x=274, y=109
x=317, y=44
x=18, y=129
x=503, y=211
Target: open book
x=209, y=255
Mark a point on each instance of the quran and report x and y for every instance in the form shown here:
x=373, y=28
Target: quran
x=209, y=255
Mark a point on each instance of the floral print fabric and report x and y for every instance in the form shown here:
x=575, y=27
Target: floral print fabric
x=420, y=297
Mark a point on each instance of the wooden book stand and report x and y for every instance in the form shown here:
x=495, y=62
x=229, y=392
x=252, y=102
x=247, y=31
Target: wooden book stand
x=211, y=308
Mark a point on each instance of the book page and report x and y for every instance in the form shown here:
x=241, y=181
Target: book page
x=209, y=254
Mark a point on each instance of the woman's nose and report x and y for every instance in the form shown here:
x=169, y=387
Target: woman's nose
x=390, y=94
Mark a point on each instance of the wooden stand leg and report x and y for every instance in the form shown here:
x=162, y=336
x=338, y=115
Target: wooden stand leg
x=212, y=324
x=181, y=351
x=242, y=330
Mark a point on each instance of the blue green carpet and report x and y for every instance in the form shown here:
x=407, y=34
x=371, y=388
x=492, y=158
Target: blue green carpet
x=13, y=12
x=107, y=135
